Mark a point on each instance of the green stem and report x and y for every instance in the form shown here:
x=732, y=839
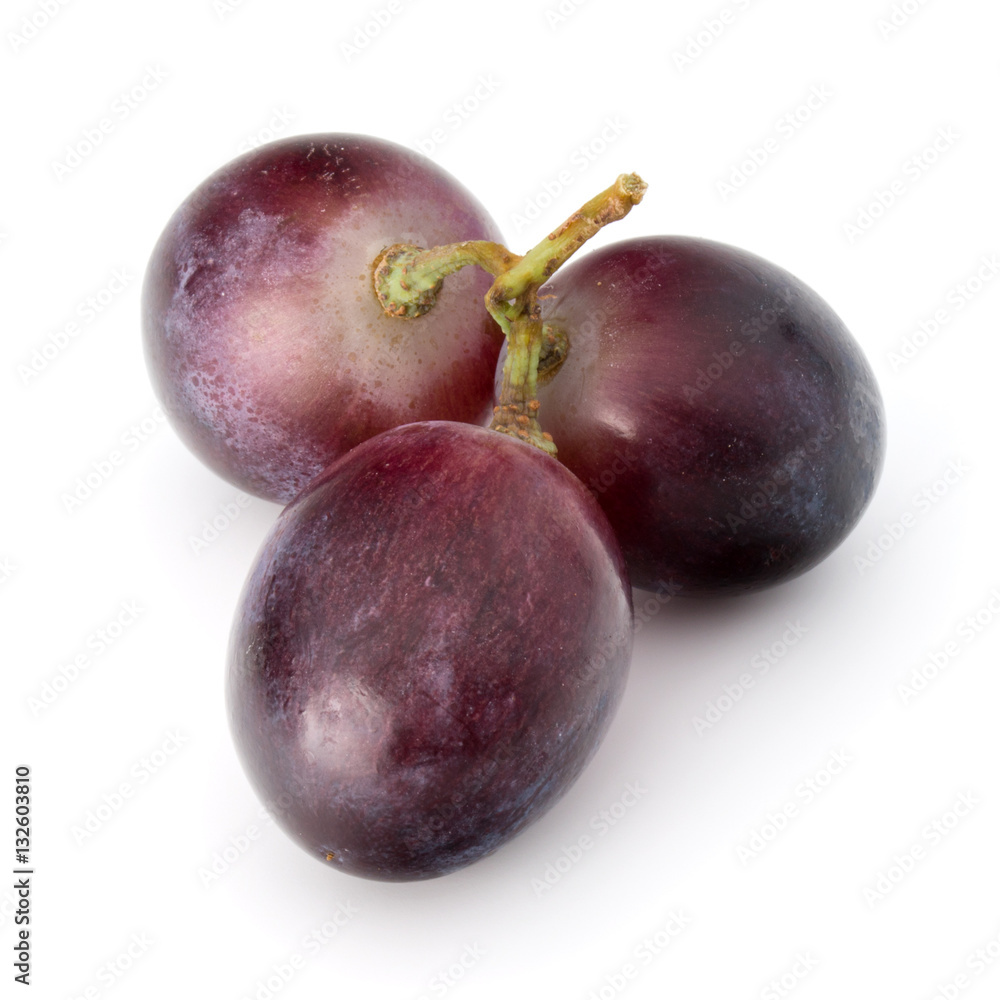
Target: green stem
x=513, y=303
x=407, y=280
x=516, y=412
x=538, y=265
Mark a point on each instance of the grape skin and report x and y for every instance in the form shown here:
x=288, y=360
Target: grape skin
x=429, y=650
x=263, y=337
x=719, y=410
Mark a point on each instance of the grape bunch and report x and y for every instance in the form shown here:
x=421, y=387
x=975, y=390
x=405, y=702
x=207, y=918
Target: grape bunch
x=480, y=454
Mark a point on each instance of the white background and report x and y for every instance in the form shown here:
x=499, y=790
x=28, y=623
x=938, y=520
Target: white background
x=825, y=908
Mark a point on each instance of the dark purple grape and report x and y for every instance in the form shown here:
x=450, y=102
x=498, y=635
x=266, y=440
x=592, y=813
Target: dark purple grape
x=264, y=339
x=721, y=413
x=429, y=649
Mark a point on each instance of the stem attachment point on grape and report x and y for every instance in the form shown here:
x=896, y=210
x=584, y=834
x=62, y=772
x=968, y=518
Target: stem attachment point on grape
x=401, y=293
x=408, y=279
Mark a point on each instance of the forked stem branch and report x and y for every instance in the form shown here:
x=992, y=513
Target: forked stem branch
x=408, y=279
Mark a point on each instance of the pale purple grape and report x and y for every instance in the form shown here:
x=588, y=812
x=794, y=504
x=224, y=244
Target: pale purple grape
x=264, y=339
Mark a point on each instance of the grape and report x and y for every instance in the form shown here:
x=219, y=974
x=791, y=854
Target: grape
x=720, y=412
x=428, y=650
x=264, y=339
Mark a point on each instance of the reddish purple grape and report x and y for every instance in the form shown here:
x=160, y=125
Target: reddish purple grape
x=264, y=339
x=428, y=651
x=721, y=413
